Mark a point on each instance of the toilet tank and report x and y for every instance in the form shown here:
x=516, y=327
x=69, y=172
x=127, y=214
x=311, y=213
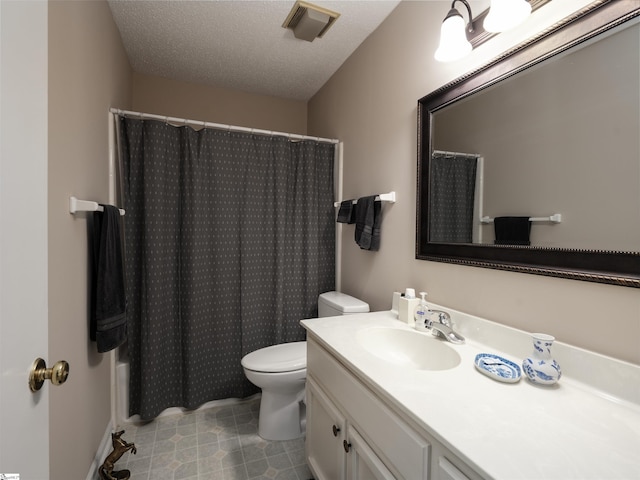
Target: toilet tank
x=331, y=304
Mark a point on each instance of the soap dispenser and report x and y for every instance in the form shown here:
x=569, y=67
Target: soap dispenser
x=422, y=314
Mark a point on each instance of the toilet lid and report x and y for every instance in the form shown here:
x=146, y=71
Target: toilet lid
x=285, y=357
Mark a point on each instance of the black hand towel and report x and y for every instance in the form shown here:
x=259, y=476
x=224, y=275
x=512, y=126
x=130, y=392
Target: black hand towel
x=108, y=318
x=368, y=221
x=346, y=214
x=512, y=230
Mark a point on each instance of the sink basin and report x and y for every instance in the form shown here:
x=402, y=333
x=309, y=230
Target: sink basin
x=407, y=348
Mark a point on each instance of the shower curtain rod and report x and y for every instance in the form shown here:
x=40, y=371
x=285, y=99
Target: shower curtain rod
x=455, y=154
x=219, y=126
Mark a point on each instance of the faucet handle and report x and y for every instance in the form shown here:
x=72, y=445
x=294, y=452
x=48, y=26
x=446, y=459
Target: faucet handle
x=443, y=317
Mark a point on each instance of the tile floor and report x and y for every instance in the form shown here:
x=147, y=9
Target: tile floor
x=220, y=443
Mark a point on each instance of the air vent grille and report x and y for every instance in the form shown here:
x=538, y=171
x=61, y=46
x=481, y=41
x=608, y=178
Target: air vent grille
x=302, y=10
x=298, y=12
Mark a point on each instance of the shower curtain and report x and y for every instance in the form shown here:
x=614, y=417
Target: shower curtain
x=229, y=241
x=452, y=196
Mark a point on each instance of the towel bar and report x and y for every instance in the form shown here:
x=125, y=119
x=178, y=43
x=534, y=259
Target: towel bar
x=555, y=218
x=384, y=197
x=76, y=206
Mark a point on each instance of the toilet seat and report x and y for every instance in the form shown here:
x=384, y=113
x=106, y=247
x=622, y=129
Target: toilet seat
x=285, y=357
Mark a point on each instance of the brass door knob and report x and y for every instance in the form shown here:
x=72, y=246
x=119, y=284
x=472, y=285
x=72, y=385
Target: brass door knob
x=39, y=373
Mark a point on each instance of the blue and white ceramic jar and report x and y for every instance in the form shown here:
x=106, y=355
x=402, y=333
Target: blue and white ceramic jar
x=540, y=367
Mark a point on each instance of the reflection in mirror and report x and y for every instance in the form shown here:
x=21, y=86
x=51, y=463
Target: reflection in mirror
x=455, y=196
x=532, y=162
x=561, y=137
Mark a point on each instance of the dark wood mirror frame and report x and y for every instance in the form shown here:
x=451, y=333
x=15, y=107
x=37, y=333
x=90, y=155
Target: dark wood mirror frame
x=617, y=268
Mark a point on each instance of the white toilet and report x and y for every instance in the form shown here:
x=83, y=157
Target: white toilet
x=281, y=370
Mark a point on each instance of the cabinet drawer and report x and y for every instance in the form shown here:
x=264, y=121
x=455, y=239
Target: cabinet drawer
x=393, y=440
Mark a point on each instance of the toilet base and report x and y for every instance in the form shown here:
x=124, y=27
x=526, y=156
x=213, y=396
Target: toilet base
x=280, y=418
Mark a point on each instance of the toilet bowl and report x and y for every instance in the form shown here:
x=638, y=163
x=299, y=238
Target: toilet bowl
x=282, y=387
x=281, y=371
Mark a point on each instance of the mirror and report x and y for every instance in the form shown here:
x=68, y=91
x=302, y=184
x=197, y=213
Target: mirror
x=532, y=162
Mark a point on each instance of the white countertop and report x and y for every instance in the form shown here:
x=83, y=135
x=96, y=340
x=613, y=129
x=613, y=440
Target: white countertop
x=587, y=426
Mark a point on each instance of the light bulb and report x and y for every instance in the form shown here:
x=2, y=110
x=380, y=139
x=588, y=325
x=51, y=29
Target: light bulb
x=453, y=40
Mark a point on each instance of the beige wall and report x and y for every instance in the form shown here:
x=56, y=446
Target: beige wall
x=88, y=73
x=370, y=104
x=162, y=96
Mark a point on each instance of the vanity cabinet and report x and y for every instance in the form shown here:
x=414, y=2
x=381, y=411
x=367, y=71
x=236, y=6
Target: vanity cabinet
x=413, y=423
x=335, y=449
x=352, y=434
x=326, y=429
x=362, y=462
x=445, y=470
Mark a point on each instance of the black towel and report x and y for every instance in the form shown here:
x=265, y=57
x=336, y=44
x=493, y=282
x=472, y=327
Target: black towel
x=512, y=230
x=368, y=220
x=346, y=214
x=108, y=310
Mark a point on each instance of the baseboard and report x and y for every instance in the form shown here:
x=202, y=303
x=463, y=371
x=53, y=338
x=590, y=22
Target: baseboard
x=101, y=454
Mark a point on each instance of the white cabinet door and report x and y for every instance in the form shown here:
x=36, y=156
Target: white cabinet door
x=362, y=462
x=448, y=471
x=326, y=428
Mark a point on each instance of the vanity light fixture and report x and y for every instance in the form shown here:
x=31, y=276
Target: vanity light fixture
x=457, y=39
x=506, y=14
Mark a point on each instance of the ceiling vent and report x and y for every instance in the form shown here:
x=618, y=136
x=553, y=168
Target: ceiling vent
x=308, y=21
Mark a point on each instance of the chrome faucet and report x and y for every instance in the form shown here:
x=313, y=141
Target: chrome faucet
x=442, y=330
x=443, y=327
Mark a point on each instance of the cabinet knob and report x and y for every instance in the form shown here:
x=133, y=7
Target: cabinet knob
x=336, y=429
x=346, y=445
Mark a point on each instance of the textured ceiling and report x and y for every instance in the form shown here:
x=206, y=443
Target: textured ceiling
x=241, y=44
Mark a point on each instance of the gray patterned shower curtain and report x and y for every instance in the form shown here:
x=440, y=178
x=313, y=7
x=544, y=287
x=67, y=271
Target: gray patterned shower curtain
x=229, y=241
x=452, y=195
